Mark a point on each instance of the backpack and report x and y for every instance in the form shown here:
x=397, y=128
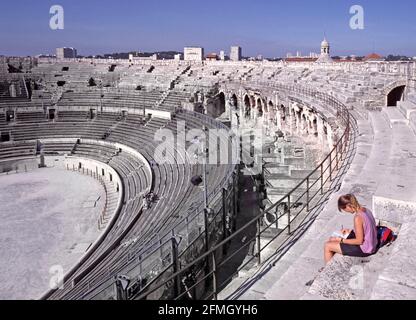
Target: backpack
x=385, y=236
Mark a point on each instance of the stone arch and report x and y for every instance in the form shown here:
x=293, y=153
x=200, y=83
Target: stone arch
x=272, y=112
x=221, y=103
x=315, y=127
x=298, y=117
x=234, y=101
x=252, y=101
x=259, y=104
x=395, y=95
x=247, y=106
x=304, y=123
x=283, y=112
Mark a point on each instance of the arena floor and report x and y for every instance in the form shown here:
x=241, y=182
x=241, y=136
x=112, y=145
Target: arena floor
x=47, y=219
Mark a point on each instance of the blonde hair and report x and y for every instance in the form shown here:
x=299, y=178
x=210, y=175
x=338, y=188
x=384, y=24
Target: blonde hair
x=348, y=199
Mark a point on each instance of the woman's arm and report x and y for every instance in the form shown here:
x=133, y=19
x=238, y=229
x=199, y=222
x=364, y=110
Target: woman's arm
x=359, y=232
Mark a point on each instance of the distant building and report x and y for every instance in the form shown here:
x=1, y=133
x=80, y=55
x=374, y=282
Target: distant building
x=66, y=53
x=212, y=57
x=235, y=54
x=325, y=56
x=193, y=54
x=178, y=57
x=133, y=58
x=374, y=57
x=222, y=55
x=300, y=59
x=3, y=65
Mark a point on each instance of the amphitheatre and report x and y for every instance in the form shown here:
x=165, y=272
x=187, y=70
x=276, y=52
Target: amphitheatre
x=239, y=214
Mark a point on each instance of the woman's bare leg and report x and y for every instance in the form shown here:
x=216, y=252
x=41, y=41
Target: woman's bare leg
x=331, y=247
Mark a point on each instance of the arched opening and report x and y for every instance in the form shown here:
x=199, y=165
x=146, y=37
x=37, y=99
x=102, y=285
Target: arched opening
x=51, y=114
x=304, y=124
x=252, y=102
x=283, y=112
x=246, y=106
x=234, y=101
x=395, y=95
x=10, y=116
x=271, y=111
x=298, y=117
x=315, y=127
x=221, y=104
x=260, y=107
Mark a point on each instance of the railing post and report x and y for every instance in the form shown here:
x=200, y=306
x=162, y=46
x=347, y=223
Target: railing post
x=307, y=194
x=336, y=157
x=258, y=241
x=288, y=214
x=214, y=277
x=175, y=262
x=330, y=166
x=224, y=219
x=322, y=178
x=277, y=217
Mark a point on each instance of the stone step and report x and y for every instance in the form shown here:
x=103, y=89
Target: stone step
x=303, y=173
x=350, y=278
x=394, y=115
x=297, y=163
x=406, y=108
x=276, y=168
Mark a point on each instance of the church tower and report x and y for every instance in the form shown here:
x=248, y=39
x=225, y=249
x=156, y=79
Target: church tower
x=325, y=47
x=325, y=56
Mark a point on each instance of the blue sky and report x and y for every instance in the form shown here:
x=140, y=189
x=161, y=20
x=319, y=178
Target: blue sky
x=270, y=28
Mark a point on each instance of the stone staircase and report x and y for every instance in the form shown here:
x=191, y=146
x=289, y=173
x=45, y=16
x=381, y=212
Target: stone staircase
x=57, y=95
x=386, y=143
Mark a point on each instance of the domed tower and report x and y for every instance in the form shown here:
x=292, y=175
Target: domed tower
x=325, y=47
x=325, y=53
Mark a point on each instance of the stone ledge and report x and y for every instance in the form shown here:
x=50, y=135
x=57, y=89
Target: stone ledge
x=386, y=290
x=395, y=211
x=350, y=278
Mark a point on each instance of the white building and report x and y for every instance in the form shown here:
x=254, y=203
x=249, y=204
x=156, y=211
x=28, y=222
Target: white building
x=235, y=54
x=222, y=55
x=153, y=57
x=66, y=53
x=193, y=54
x=325, y=56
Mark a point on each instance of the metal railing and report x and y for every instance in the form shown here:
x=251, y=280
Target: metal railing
x=297, y=206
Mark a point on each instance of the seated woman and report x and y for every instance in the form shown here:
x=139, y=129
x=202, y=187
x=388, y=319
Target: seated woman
x=361, y=242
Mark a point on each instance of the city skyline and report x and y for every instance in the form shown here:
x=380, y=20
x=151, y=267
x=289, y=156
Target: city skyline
x=260, y=28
